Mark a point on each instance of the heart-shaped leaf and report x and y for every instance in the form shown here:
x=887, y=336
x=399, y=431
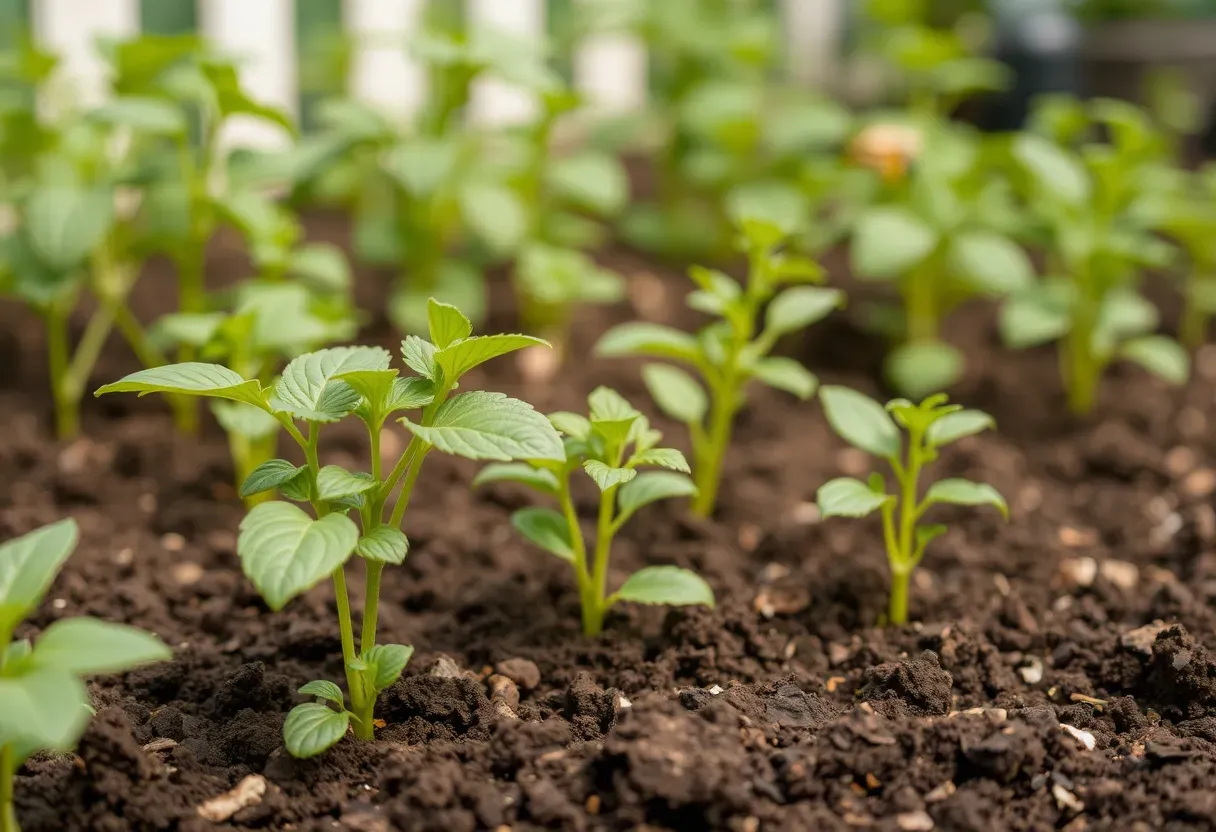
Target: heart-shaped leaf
x=313, y=728
x=384, y=544
x=285, y=552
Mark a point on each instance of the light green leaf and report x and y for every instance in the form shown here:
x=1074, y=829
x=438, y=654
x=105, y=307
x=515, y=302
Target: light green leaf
x=482, y=425
x=607, y=405
x=322, y=266
x=890, y=241
x=799, y=307
x=990, y=262
x=648, y=339
x=592, y=180
x=1160, y=355
x=420, y=165
x=87, y=646
x=676, y=393
x=962, y=492
x=1031, y=319
x=650, y=487
x=1056, y=173
x=325, y=690
x=495, y=214
x=860, y=421
x=151, y=116
x=847, y=497
x=956, y=425
x=410, y=394
x=666, y=585
x=419, y=356
x=668, y=458
x=191, y=379
x=194, y=329
x=389, y=661
x=64, y=224
x=313, y=728
x=545, y=528
x=310, y=388
x=462, y=356
x=45, y=709
x=270, y=474
x=520, y=472
x=927, y=534
x=919, y=369
x=786, y=374
x=28, y=565
x=447, y=323
x=571, y=424
x=335, y=483
x=384, y=544
x=1125, y=313
x=244, y=419
x=284, y=552
x=606, y=476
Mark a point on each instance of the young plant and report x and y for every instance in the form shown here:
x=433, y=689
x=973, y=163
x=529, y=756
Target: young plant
x=44, y=705
x=732, y=350
x=1190, y=220
x=551, y=281
x=285, y=551
x=609, y=447
x=867, y=425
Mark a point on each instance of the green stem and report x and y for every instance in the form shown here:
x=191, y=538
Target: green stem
x=594, y=623
x=364, y=729
x=897, y=608
x=1080, y=369
x=708, y=476
x=902, y=560
x=407, y=488
x=371, y=607
x=1193, y=329
x=587, y=601
x=67, y=414
x=8, y=771
x=922, y=304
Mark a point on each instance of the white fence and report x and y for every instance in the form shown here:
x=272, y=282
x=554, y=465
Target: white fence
x=610, y=70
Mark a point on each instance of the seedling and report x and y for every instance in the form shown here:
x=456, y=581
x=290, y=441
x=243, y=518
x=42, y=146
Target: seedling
x=867, y=425
x=284, y=551
x=610, y=447
x=551, y=281
x=44, y=705
x=1190, y=220
x=729, y=352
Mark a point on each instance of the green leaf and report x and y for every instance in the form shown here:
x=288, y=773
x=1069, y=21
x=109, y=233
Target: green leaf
x=847, y=497
x=778, y=204
x=676, y=393
x=648, y=339
x=44, y=710
x=927, y=534
x=389, y=661
x=799, y=307
x=668, y=458
x=495, y=214
x=270, y=474
x=1031, y=319
x=786, y=374
x=483, y=425
x=152, y=116
x=410, y=394
x=1160, y=355
x=962, y=492
x=244, y=419
x=520, y=472
x=956, y=425
x=462, y=356
x=321, y=266
x=193, y=329
x=384, y=544
x=310, y=388
x=888, y=242
x=87, y=646
x=1125, y=313
x=919, y=369
x=335, y=483
x=313, y=728
x=325, y=690
x=607, y=405
x=860, y=421
x=606, y=476
x=667, y=585
x=28, y=565
x=650, y=487
x=64, y=224
x=990, y=262
x=593, y=180
x=447, y=323
x=571, y=424
x=191, y=379
x=421, y=165
x=545, y=528
x=419, y=355
x=1055, y=172
x=284, y=552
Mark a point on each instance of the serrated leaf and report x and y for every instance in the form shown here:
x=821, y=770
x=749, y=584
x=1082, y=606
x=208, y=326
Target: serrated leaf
x=483, y=425
x=324, y=689
x=676, y=393
x=389, y=661
x=962, y=492
x=860, y=421
x=990, y=262
x=648, y=339
x=1162, y=356
x=313, y=728
x=956, y=425
x=520, y=472
x=799, y=307
x=605, y=476
x=65, y=223
x=650, y=487
x=419, y=356
x=310, y=388
x=668, y=458
x=28, y=565
x=87, y=646
x=190, y=379
x=890, y=241
x=919, y=369
x=45, y=709
x=270, y=474
x=571, y=424
x=462, y=356
x=284, y=552
x=545, y=528
x=847, y=497
x=384, y=544
x=666, y=585
x=786, y=374
x=447, y=323
x=335, y=483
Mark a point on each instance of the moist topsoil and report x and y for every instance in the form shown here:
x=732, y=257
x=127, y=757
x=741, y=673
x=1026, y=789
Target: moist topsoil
x=1060, y=672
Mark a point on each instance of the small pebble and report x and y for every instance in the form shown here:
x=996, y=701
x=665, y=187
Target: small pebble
x=1120, y=573
x=446, y=668
x=1180, y=461
x=173, y=542
x=187, y=573
x=918, y=821
x=1140, y=640
x=1066, y=799
x=1084, y=737
x=1078, y=538
x=124, y=557
x=504, y=690
x=1200, y=483
x=1032, y=673
x=804, y=514
x=1078, y=572
x=520, y=671
x=59, y=603
x=941, y=792
x=593, y=804
x=247, y=793
x=715, y=690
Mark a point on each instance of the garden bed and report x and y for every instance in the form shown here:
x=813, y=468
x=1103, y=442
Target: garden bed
x=783, y=708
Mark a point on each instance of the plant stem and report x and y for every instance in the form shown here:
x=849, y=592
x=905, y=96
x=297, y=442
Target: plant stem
x=1193, y=329
x=407, y=488
x=922, y=305
x=594, y=623
x=371, y=607
x=8, y=770
x=67, y=416
x=897, y=607
x=902, y=559
x=708, y=475
x=587, y=602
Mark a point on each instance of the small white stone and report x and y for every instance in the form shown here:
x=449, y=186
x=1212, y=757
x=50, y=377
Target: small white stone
x=918, y=821
x=1066, y=799
x=1120, y=573
x=1078, y=572
x=805, y=514
x=59, y=603
x=715, y=690
x=173, y=542
x=1084, y=737
x=622, y=702
x=124, y=557
x=1032, y=673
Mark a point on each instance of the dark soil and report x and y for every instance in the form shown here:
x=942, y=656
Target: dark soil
x=1085, y=620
